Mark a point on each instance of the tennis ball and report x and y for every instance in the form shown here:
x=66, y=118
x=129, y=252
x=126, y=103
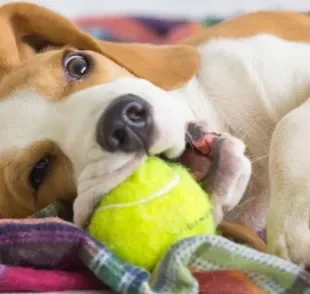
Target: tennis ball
x=157, y=206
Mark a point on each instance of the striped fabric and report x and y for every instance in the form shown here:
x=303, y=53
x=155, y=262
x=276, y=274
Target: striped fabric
x=62, y=257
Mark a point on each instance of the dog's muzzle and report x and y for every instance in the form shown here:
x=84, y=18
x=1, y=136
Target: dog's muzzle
x=126, y=125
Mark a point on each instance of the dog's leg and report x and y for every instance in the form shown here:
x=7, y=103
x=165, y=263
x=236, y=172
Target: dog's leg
x=229, y=174
x=221, y=164
x=224, y=166
x=288, y=233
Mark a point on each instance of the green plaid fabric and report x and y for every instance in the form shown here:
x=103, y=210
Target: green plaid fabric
x=209, y=257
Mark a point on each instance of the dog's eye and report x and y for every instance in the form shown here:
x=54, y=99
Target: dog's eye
x=76, y=65
x=39, y=173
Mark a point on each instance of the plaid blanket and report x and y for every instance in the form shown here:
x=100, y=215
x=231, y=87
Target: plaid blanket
x=47, y=253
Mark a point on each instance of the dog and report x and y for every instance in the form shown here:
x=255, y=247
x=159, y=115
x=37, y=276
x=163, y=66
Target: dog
x=79, y=115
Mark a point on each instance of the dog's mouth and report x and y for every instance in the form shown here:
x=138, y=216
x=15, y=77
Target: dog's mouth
x=197, y=157
x=198, y=154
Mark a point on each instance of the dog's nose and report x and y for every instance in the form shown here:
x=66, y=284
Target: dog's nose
x=126, y=125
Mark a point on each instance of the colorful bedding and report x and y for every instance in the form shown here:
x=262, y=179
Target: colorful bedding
x=47, y=253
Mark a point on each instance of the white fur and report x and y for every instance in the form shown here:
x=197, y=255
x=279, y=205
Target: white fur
x=248, y=85
x=288, y=220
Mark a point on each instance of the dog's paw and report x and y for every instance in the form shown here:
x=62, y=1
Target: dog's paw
x=229, y=173
x=289, y=237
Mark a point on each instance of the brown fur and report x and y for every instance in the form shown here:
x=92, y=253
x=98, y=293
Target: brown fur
x=17, y=199
x=22, y=25
x=242, y=234
x=288, y=25
x=44, y=73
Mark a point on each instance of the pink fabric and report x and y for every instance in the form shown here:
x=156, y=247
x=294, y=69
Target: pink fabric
x=26, y=279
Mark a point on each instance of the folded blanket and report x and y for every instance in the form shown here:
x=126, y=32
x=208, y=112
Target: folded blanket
x=202, y=264
x=47, y=253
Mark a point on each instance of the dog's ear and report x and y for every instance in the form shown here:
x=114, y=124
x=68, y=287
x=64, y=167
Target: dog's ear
x=168, y=67
x=27, y=29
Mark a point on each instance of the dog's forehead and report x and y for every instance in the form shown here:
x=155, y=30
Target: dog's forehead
x=25, y=96
x=22, y=100
x=40, y=73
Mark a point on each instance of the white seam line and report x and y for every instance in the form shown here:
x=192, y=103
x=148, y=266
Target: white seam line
x=175, y=181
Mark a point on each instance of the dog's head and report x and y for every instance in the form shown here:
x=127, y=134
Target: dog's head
x=77, y=113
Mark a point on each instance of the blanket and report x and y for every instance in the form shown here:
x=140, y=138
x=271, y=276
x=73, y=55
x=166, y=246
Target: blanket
x=47, y=253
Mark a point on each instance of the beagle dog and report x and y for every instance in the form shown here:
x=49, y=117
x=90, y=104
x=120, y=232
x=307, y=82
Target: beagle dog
x=78, y=116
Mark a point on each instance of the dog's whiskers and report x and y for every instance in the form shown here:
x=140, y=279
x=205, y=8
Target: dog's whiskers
x=189, y=139
x=238, y=210
x=250, y=128
x=259, y=158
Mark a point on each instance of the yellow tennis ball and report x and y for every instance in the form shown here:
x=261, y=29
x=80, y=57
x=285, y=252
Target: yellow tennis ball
x=157, y=206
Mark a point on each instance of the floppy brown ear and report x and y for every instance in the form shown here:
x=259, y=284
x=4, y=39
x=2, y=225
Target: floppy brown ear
x=168, y=67
x=26, y=29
